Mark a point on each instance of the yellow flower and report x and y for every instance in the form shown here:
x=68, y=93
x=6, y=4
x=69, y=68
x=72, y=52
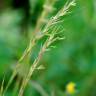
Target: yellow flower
x=70, y=88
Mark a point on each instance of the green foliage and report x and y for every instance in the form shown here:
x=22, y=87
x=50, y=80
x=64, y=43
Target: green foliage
x=73, y=59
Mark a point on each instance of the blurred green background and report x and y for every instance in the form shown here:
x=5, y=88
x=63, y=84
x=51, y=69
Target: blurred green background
x=73, y=59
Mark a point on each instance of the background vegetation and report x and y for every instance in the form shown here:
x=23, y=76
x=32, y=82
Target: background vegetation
x=73, y=59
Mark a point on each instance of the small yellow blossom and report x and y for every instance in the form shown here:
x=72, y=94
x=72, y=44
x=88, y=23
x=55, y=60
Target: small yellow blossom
x=70, y=88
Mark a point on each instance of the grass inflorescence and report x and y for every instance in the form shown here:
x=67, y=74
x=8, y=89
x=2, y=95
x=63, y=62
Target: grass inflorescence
x=51, y=30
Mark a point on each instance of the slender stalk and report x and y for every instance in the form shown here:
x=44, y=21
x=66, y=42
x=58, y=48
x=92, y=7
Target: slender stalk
x=47, y=43
x=35, y=63
x=2, y=87
x=32, y=43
